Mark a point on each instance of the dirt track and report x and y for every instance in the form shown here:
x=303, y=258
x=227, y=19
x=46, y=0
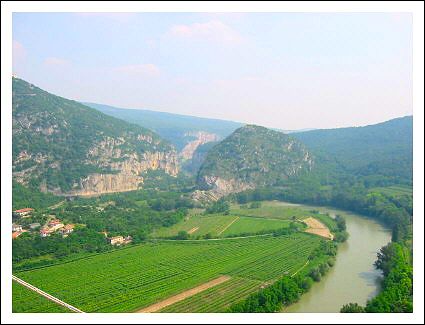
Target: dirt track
x=317, y=228
x=186, y=294
x=224, y=229
x=191, y=231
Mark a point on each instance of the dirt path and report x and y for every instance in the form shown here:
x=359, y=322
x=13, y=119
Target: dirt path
x=317, y=228
x=57, y=205
x=191, y=231
x=306, y=263
x=186, y=294
x=231, y=223
x=46, y=295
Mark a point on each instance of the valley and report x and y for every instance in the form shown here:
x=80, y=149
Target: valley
x=193, y=215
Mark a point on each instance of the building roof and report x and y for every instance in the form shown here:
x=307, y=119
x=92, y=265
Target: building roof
x=24, y=210
x=16, y=234
x=45, y=231
x=69, y=226
x=54, y=222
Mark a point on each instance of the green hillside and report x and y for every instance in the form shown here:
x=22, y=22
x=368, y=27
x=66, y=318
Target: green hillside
x=384, y=149
x=255, y=156
x=57, y=141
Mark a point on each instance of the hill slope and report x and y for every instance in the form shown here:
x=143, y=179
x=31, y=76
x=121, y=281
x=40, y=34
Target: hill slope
x=176, y=128
x=252, y=156
x=62, y=146
x=380, y=150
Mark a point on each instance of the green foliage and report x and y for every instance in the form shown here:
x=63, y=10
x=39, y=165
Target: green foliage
x=219, y=206
x=23, y=197
x=352, y=308
x=58, y=133
x=255, y=205
x=255, y=155
x=182, y=235
x=381, y=153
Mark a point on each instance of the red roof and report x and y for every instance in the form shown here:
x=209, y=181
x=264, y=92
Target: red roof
x=24, y=210
x=16, y=234
x=69, y=226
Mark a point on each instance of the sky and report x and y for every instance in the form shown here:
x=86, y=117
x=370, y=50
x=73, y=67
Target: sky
x=281, y=70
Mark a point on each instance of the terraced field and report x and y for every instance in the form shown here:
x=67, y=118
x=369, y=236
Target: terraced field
x=132, y=278
x=25, y=300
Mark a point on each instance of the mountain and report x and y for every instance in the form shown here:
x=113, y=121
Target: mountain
x=250, y=157
x=65, y=147
x=379, y=150
x=180, y=130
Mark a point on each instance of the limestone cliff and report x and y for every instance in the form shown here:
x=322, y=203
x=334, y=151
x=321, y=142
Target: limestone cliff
x=201, y=138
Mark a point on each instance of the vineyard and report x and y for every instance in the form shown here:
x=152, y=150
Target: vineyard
x=25, y=300
x=132, y=278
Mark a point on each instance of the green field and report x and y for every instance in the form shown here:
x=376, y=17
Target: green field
x=394, y=190
x=25, y=300
x=248, y=225
x=216, y=299
x=212, y=224
x=273, y=210
x=128, y=279
x=221, y=226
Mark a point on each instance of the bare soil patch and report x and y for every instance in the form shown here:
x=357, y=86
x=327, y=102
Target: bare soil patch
x=186, y=294
x=317, y=228
x=191, y=231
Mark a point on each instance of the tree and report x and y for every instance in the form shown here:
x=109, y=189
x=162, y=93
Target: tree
x=352, y=308
x=183, y=235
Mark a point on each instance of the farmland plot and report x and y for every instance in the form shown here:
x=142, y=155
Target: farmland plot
x=133, y=278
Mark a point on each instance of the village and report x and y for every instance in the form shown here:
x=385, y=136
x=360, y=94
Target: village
x=54, y=225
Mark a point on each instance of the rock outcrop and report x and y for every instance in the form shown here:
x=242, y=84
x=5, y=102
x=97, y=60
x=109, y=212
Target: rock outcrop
x=201, y=138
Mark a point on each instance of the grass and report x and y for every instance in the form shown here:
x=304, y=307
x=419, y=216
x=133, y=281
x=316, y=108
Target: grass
x=132, y=278
x=247, y=225
x=212, y=224
x=272, y=210
x=26, y=301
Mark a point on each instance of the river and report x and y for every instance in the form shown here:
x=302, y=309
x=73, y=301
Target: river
x=353, y=278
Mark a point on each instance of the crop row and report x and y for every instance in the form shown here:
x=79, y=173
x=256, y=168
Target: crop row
x=128, y=279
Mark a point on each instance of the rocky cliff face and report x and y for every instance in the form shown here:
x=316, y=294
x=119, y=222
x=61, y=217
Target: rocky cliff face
x=252, y=157
x=64, y=147
x=201, y=138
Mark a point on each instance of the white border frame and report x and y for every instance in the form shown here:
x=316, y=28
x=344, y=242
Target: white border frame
x=416, y=8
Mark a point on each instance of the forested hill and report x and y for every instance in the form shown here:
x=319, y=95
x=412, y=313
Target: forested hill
x=384, y=149
x=60, y=145
x=176, y=128
x=253, y=156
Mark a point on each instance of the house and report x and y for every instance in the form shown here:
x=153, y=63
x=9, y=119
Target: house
x=16, y=234
x=45, y=232
x=26, y=212
x=67, y=229
x=34, y=225
x=128, y=240
x=16, y=227
x=117, y=240
x=55, y=224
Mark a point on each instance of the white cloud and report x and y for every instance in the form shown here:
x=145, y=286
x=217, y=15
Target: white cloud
x=214, y=30
x=148, y=69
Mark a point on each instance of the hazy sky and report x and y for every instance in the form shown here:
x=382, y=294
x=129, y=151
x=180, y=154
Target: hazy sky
x=283, y=70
